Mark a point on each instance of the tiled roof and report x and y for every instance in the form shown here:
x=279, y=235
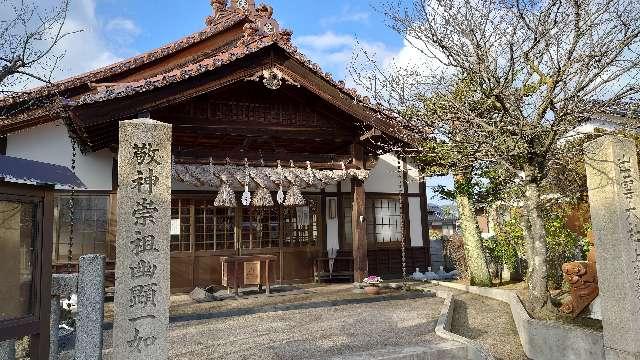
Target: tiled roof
x=260, y=31
x=132, y=63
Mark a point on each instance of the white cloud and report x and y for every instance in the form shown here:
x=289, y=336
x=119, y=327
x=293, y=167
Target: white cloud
x=346, y=16
x=334, y=52
x=95, y=44
x=124, y=25
x=327, y=41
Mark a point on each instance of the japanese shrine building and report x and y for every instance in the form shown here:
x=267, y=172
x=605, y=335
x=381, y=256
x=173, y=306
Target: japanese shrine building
x=247, y=109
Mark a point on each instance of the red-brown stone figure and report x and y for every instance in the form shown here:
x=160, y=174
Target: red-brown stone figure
x=583, y=278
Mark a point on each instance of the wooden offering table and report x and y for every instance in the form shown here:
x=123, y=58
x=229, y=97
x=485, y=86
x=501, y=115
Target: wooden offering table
x=253, y=273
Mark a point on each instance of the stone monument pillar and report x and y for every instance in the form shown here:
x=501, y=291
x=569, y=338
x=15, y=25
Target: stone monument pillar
x=614, y=198
x=142, y=246
x=90, y=307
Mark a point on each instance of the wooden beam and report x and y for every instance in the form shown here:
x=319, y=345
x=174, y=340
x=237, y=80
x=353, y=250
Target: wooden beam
x=358, y=221
x=284, y=163
x=369, y=134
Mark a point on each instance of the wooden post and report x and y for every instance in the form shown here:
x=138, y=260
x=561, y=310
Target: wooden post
x=358, y=221
x=424, y=216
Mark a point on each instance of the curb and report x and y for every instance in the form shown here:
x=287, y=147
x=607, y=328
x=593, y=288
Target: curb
x=475, y=350
x=542, y=340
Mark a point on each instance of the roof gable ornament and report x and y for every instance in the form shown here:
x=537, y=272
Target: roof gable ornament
x=219, y=8
x=272, y=78
x=247, y=6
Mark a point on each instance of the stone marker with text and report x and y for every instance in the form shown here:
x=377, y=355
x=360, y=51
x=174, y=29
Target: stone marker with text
x=614, y=199
x=143, y=234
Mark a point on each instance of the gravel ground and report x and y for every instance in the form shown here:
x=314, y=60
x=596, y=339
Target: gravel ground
x=307, y=329
x=487, y=321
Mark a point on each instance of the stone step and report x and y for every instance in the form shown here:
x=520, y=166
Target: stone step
x=450, y=350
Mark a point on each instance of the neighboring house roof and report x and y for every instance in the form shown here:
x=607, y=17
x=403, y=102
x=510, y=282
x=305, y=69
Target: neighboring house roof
x=232, y=34
x=38, y=172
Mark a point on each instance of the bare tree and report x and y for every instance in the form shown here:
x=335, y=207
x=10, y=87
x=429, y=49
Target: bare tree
x=536, y=69
x=29, y=39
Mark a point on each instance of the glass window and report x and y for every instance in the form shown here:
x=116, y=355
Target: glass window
x=301, y=224
x=91, y=225
x=384, y=220
x=260, y=228
x=181, y=215
x=18, y=231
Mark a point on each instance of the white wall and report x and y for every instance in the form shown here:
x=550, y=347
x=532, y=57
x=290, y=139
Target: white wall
x=384, y=178
x=50, y=143
x=332, y=226
x=415, y=222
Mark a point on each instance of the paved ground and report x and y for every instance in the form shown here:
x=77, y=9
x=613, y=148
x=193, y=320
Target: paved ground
x=487, y=321
x=316, y=323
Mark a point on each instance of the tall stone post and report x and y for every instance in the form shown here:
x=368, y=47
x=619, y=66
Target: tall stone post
x=142, y=246
x=62, y=287
x=614, y=199
x=90, y=308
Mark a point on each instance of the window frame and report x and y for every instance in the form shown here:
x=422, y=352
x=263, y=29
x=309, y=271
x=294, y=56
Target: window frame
x=59, y=257
x=35, y=325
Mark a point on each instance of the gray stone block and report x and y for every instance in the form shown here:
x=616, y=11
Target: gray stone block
x=54, y=329
x=90, y=307
x=8, y=350
x=200, y=295
x=142, y=246
x=614, y=199
x=64, y=285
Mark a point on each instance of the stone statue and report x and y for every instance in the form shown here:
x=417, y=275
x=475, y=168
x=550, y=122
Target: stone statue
x=583, y=278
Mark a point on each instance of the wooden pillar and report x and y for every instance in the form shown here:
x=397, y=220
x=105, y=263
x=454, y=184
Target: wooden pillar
x=360, y=262
x=424, y=217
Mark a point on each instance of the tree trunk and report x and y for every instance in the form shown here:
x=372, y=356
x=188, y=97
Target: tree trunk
x=476, y=261
x=535, y=237
x=528, y=245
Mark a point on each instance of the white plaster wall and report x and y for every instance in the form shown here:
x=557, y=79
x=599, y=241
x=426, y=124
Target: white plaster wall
x=50, y=143
x=332, y=227
x=384, y=177
x=415, y=222
x=413, y=177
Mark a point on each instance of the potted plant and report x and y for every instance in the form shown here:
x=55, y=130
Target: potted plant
x=372, y=285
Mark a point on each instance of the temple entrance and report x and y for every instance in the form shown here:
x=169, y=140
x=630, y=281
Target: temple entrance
x=203, y=233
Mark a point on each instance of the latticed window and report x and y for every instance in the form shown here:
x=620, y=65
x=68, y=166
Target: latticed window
x=260, y=228
x=384, y=219
x=301, y=224
x=91, y=225
x=180, y=225
x=224, y=220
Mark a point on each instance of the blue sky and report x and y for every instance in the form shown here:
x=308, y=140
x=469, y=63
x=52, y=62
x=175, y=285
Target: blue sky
x=325, y=30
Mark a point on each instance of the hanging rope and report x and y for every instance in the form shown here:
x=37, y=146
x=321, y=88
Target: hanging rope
x=71, y=205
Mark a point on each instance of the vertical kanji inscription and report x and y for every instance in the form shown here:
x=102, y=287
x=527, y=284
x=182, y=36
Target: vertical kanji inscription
x=142, y=248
